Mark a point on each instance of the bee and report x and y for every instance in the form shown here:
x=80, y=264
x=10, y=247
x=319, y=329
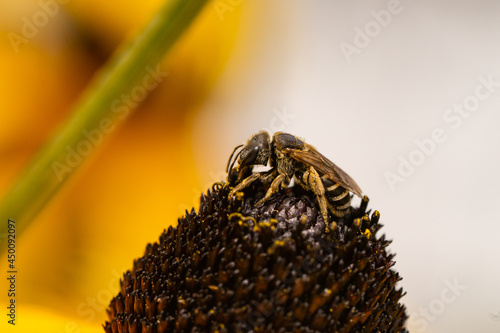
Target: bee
x=291, y=158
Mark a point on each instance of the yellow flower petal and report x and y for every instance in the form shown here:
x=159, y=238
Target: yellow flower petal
x=135, y=184
x=34, y=319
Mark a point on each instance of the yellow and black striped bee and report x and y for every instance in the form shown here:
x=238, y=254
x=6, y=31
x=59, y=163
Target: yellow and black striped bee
x=288, y=157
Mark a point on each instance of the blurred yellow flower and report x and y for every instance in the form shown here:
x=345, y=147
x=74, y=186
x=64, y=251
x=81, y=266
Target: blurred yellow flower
x=71, y=258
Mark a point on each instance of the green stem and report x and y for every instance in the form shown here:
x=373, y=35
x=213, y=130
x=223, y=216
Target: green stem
x=60, y=157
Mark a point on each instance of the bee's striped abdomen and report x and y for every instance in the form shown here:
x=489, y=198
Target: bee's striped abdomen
x=339, y=199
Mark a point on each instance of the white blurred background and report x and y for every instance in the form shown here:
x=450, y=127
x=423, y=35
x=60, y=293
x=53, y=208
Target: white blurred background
x=397, y=94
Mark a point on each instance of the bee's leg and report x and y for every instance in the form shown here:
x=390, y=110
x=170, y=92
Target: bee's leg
x=312, y=179
x=269, y=175
x=275, y=186
x=246, y=182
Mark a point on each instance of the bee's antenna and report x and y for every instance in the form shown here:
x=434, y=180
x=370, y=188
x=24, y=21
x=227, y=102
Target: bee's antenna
x=231, y=158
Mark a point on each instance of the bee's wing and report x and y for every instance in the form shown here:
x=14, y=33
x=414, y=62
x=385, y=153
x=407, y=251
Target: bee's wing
x=323, y=165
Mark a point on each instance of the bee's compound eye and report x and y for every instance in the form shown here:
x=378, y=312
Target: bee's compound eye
x=249, y=155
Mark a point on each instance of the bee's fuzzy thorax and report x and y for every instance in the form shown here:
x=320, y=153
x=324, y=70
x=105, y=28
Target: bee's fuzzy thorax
x=235, y=267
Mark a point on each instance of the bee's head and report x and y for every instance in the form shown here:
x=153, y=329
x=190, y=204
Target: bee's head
x=255, y=152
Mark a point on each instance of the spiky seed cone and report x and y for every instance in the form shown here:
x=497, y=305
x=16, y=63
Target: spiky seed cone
x=234, y=267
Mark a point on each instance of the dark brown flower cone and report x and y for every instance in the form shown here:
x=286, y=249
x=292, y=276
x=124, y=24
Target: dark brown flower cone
x=233, y=267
